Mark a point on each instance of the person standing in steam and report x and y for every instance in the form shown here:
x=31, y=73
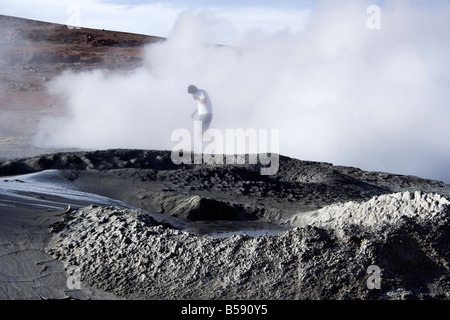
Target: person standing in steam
x=204, y=107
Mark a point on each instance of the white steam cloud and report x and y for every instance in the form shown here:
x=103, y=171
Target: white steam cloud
x=337, y=91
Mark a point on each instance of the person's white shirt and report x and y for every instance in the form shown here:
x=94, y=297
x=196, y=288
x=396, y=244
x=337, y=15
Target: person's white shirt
x=204, y=102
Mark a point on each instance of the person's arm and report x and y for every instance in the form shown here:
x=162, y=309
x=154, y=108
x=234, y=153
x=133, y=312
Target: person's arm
x=200, y=98
x=193, y=114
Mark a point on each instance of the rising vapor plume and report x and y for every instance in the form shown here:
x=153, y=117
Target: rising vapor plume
x=337, y=91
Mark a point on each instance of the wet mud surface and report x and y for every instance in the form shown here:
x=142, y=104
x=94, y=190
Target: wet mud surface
x=227, y=232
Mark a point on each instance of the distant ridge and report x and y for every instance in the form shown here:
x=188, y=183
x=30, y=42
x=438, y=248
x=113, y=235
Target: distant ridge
x=32, y=53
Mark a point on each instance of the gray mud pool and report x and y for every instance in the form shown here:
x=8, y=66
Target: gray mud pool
x=48, y=189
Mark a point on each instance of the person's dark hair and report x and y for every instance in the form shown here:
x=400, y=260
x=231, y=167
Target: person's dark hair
x=192, y=89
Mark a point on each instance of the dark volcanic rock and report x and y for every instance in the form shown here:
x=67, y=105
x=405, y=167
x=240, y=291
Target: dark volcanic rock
x=150, y=180
x=344, y=220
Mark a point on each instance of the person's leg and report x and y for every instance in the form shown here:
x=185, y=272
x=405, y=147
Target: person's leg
x=206, y=121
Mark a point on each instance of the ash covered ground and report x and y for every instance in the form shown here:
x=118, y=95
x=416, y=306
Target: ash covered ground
x=333, y=223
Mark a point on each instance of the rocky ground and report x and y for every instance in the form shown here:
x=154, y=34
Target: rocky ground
x=150, y=180
x=127, y=253
x=341, y=221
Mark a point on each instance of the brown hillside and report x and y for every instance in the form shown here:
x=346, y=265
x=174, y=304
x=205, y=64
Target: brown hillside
x=34, y=52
